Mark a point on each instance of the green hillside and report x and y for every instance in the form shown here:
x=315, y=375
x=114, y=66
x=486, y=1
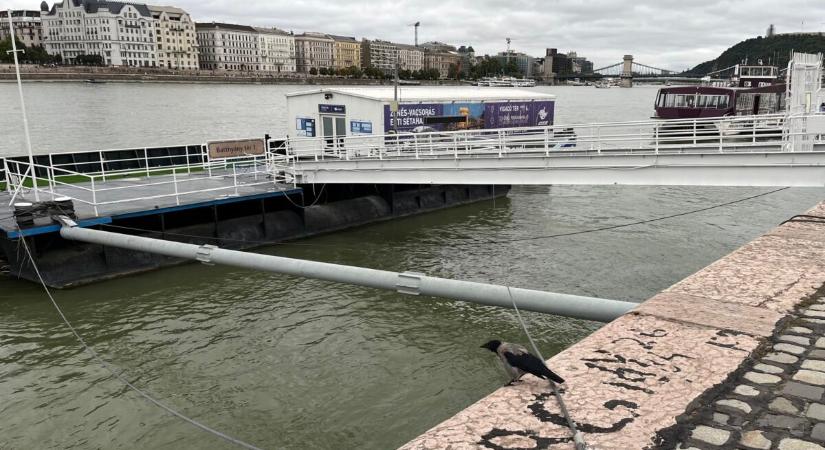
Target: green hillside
x=776, y=49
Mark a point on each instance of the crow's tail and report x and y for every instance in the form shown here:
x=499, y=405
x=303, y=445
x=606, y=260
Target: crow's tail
x=552, y=376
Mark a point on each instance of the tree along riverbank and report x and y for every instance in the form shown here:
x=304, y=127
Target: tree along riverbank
x=204, y=78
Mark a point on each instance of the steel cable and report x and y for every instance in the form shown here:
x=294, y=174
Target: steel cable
x=578, y=438
x=119, y=373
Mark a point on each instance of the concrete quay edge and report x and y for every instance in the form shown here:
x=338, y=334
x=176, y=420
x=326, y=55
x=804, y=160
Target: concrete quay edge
x=628, y=381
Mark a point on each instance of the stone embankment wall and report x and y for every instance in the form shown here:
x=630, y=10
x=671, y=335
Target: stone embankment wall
x=77, y=73
x=628, y=382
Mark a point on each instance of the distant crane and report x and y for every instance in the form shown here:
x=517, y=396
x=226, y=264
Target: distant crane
x=508, y=50
x=416, y=25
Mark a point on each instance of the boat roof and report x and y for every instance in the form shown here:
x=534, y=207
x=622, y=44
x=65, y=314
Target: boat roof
x=431, y=94
x=779, y=87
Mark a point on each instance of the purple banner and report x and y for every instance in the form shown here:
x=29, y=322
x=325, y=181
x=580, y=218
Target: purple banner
x=518, y=114
x=423, y=118
x=412, y=117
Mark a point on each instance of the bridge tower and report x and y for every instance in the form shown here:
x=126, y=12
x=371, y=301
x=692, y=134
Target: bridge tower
x=627, y=71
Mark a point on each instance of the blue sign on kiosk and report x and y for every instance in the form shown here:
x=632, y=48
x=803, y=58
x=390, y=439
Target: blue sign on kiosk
x=332, y=109
x=360, y=127
x=305, y=127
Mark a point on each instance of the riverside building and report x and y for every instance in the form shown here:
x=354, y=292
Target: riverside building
x=314, y=51
x=277, y=50
x=410, y=57
x=26, y=24
x=225, y=46
x=441, y=57
x=122, y=34
x=381, y=55
x=177, y=46
x=347, y=52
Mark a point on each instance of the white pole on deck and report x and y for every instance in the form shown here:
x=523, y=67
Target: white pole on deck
x=23, y=106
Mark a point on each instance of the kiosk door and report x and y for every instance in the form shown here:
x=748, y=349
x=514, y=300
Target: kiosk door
x=333, y=128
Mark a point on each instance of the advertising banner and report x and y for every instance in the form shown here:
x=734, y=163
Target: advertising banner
x=422, y=118
x=518, y=114
x=411, y=117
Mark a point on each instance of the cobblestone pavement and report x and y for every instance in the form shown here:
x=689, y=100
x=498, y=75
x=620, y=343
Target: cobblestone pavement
x=776, y=401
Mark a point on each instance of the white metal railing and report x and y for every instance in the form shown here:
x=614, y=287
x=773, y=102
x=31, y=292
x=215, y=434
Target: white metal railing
x=107, y=179
x=151, y=179
x=728, y=134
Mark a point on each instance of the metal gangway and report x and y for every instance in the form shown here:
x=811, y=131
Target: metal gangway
x=763, y=150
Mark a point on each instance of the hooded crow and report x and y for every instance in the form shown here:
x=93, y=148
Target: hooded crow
x=518, y=361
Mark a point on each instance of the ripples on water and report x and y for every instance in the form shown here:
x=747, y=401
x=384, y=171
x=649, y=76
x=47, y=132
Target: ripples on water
x=285, y=362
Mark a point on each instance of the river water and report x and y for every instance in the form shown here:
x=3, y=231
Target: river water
x=284, y=362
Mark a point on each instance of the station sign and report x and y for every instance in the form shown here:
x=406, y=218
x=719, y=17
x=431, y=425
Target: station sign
x=234, y=149
x=332, y=109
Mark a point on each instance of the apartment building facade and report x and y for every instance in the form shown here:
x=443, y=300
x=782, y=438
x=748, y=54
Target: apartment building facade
x=122, y=34
x=177, y=45
x=347, y=52
x=379, y=54
x=277, y=50
x=226, y=46
x=314, y=51
x=410, y=57
x=26, y=24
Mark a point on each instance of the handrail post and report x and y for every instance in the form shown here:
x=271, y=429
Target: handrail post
x=598, y=138
x=94, y=195
x=656, y=139
x=235, y=177
x=50, y=175
x=175, y=184
x=694, y=132
x=547, y=142
x=721, y=136
x=146, y=160
x=455, y=146
x=753, y=134
x=7, y=175
x=102, y=166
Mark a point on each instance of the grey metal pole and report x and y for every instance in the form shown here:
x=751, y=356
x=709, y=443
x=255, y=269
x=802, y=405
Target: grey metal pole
x=395, y=95
x=23, y=107
x=588, y=308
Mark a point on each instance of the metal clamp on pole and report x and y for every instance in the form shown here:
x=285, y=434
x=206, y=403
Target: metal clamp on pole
x=204, y=254
x=66, y=221
x=409, y=283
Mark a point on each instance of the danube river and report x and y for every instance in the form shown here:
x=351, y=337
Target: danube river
x=293, y=363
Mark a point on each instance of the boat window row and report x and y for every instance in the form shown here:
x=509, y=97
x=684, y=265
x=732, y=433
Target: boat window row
x=758, y=71
x=756, y=103
x=669, y=100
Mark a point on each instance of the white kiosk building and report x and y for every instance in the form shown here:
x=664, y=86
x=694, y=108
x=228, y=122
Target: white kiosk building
x=359, y=111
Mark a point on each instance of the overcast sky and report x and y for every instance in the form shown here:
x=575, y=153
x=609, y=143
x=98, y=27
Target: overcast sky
x=672, y=34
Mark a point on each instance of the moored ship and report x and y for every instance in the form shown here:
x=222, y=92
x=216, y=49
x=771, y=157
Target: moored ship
x=506, y=82
x=753, y=90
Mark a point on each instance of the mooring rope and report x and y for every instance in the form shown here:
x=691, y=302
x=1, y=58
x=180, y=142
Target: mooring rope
x=578, y=438
x=119, y=373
